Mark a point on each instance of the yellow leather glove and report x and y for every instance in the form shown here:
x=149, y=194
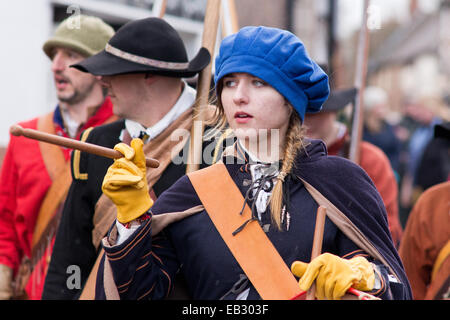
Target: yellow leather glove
x=334, y=275
x=125, y=182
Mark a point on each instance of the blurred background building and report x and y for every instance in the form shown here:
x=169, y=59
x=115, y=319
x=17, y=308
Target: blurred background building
x=409, y=43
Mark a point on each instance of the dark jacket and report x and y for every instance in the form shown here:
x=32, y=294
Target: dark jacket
x=73, y=245
x=144, y=266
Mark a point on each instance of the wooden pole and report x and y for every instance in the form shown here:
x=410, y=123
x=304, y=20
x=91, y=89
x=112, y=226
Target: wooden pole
x=317, y=244
x=159, y=8
x=204, y=83
x=360, y=77
x=352, y=294
x=17, y=130
x=230, y=23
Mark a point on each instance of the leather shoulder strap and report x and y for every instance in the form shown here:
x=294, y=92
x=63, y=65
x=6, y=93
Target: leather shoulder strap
x=252, y=249
x=442, y=256
x=52, y=155
x=346, y=225
x=59, y=171
x=53, y=199
x=88, y=292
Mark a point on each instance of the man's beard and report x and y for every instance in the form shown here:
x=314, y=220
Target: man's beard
x=78, y=95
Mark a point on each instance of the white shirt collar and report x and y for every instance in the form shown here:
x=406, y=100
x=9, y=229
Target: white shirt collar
x=184, y=102
x=72, y=125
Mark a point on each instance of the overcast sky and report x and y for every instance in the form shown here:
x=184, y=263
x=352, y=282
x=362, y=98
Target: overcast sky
x=350, y=12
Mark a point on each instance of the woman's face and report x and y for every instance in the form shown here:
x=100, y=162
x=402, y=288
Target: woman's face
x=253, y=108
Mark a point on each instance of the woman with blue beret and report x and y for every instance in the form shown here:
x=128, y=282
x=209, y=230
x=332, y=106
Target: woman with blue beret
x=265, y=82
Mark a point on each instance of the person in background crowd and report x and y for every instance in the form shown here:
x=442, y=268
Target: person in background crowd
x=145, y=82
x=427, y=113
x=325, y=126
x=434, y=166
x=376, y=129
x=35, y=176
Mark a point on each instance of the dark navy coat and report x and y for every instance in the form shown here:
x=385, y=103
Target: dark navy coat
x=144, y=267
x=73, y=244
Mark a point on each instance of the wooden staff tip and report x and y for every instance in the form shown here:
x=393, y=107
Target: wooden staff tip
x=16, y=130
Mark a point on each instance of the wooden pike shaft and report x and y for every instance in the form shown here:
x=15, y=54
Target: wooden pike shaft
x=317, y=244
x=352, y=293
x=17, y=130
x=360, y=80
x=203, y=87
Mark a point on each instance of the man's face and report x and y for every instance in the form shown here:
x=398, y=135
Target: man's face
x=319, y=125
x=72, y=86
x=127, y=92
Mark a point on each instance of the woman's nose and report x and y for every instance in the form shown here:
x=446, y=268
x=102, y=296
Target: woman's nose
x=241, y=94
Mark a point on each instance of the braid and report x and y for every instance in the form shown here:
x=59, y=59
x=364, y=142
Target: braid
x=294, y=140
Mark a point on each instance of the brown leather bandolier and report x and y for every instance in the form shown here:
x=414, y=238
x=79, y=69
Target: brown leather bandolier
x=50, y=211
x=258, y=258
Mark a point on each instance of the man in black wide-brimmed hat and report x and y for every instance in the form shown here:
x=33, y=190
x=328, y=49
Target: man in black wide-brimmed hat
x=142, y=67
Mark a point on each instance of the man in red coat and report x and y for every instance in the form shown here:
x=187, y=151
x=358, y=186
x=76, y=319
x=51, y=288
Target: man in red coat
x=35, y=176
x=325, y=126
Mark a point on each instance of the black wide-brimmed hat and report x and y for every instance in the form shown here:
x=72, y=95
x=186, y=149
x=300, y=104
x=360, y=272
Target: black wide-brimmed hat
x=145, y=45
x=338, y=99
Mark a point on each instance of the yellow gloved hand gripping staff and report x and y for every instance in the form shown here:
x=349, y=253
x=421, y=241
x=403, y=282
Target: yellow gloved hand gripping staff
x=334, y=275
x=125, y=182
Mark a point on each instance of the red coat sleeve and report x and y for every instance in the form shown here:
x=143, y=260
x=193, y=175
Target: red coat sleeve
x=377, y=166
x=9, y=254
x=24, y=181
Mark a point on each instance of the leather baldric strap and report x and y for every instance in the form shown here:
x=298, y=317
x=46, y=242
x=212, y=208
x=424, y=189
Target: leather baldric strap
x=52, y=155
x=444, y=253
x=59, y=172
x=252, y=249
x=50, y=210
x=347, y=226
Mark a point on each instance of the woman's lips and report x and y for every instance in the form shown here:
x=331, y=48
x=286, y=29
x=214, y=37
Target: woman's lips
x=242, y=117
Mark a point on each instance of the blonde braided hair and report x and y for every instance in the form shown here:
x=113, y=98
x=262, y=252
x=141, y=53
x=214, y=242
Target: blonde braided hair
x=293, y=143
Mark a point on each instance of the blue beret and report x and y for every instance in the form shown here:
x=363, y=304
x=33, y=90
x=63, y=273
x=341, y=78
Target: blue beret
x=279, y=58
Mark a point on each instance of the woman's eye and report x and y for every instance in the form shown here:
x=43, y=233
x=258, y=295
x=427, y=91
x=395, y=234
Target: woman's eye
x=258, y=83
x=229, y=83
